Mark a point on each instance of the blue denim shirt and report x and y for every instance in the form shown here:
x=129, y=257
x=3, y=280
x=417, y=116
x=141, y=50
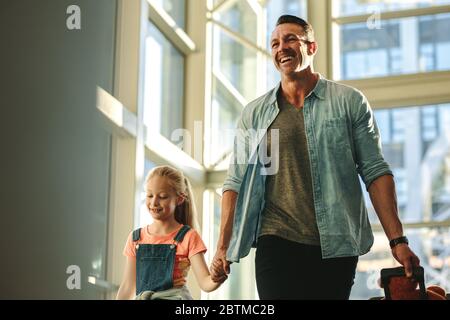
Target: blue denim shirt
x=343, y=141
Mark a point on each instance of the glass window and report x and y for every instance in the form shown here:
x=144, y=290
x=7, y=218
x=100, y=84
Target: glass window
x=241, y=18
x=400, y=46
x=357, y=7
x=225, y=112
x=429, y=123
x=417, y=148
x=432, y=246
x=144, y=216
x=176, y=9
x=163, y=84
x=234, y=84
x=236, y=62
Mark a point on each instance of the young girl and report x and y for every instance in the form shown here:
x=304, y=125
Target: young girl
x=159, y=255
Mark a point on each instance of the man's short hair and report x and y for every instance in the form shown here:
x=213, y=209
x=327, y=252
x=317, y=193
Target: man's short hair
x=307, y=27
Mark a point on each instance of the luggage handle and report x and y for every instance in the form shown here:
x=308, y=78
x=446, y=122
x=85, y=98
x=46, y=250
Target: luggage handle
x=418, y=275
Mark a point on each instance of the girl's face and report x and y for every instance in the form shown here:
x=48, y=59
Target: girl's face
x=161, y=199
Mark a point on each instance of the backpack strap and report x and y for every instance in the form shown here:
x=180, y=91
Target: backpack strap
x=136, y=234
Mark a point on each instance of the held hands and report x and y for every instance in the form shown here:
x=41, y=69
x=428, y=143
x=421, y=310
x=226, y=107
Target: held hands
x=403, y=254
x=220, y=267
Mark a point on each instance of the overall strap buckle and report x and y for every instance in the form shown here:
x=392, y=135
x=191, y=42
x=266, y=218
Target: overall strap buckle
x=180, y=235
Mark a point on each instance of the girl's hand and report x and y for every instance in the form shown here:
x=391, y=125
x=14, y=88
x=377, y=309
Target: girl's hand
x=217, y=274
x=202, y=274
x=220, y=266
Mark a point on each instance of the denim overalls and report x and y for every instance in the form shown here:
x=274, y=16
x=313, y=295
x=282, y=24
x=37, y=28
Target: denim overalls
x=155, y=263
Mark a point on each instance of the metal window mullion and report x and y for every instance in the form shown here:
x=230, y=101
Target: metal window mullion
x=417, y=225
x=435, y=62
x=393, y=14
x=402, y=79
x=255, y=6
x=209, y=51
x=169, y=28
x=335, y=68
x=332, y=40
x=161, y=150
x=320, y=19
x=209, y=5
x=405, y=90
x=208, y=229
x=120, y=119
x=223, y=5
x=231, y=89
x=261, y=65
x=222, y=158
x=239, y=38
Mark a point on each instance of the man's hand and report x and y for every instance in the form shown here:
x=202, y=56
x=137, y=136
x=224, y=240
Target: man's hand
x=217, y=274
x=220, y=267
x=403, y=254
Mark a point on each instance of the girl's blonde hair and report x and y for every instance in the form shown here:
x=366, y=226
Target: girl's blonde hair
x=186, y=212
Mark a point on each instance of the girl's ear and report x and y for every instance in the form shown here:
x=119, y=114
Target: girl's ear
x=180, y=199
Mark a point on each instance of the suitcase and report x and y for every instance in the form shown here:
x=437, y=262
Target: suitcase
x=398, y=287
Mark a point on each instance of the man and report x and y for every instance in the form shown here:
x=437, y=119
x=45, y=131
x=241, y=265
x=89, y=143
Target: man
x=308, y=221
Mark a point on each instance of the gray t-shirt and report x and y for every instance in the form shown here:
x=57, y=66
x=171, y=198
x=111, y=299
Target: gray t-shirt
x=289, y=207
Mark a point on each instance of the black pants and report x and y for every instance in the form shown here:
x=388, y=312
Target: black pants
x=290, y=270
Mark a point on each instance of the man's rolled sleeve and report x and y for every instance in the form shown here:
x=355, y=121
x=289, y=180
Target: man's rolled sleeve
x=231, y=184
x=367, y=141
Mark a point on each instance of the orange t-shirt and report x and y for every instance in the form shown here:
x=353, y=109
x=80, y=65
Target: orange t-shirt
x=191, y=245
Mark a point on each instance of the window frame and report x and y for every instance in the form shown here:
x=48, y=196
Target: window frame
x=400, y=86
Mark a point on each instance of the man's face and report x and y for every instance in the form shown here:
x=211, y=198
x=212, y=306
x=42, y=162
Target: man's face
x=291, y=52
